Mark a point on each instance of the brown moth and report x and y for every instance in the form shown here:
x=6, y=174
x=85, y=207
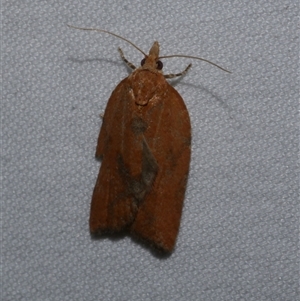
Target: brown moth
x=145, y=147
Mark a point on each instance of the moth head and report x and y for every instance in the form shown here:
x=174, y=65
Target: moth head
x=152, y=59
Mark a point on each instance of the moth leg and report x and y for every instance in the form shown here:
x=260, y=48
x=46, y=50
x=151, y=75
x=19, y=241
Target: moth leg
x=130, y=65
x=179, y=74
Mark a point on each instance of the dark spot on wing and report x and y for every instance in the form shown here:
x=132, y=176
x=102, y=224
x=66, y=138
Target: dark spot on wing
x=138, y=125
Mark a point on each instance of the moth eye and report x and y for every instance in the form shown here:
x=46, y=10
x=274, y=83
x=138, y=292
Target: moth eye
x=159, y=65
x=143, y=62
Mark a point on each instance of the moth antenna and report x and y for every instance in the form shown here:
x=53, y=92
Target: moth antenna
x=161, y=57
x=193, y=57
x=111, y=33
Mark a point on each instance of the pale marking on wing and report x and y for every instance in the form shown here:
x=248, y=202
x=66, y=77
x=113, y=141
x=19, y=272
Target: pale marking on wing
x=158, y=123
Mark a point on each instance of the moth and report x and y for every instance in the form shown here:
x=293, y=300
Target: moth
x=145, y=147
